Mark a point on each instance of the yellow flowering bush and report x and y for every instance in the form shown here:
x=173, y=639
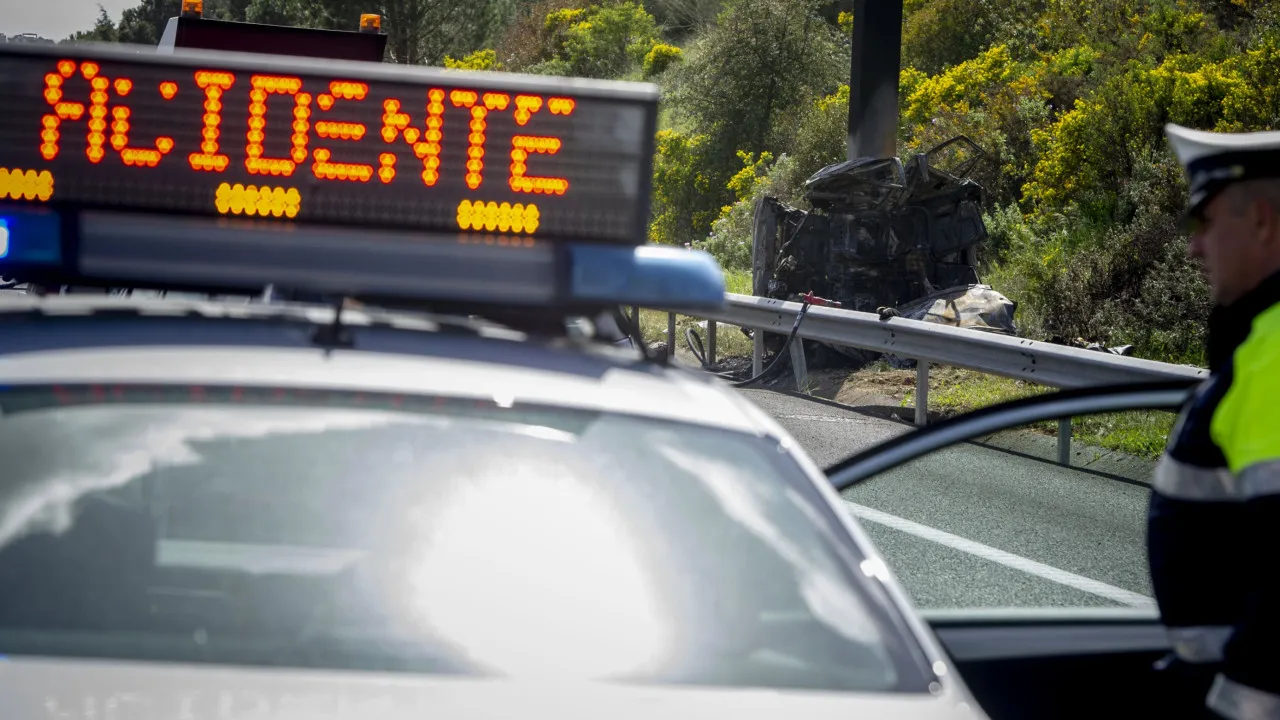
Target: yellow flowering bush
x=659, y=58
x=478, y=60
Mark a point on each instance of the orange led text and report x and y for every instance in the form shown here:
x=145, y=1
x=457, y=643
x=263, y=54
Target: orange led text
x=103, y=127
x=433, y=123
x=264, y=86
x=338, y=130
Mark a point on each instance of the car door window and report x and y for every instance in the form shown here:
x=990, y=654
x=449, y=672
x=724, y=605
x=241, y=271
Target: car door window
x=986, y=511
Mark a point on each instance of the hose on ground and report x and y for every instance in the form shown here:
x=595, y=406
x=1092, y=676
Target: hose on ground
x=694, y=341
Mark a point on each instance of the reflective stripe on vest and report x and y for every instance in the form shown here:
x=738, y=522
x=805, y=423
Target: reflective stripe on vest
x=1183, y=481
x=1235, y=701
x=1260, y=480
x=1200, y=643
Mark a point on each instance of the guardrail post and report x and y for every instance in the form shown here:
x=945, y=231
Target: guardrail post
x=1064, y=441
x=671, y=335
x=922, y=393
x=757, y=352
x=798, y=366
x=711, y=342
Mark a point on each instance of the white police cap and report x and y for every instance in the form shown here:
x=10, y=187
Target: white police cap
x=1214, y=160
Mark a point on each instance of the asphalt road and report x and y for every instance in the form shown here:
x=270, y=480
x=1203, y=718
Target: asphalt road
x=978, y=526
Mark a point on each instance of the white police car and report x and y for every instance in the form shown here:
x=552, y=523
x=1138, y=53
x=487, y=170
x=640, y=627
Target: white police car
x=218, y=509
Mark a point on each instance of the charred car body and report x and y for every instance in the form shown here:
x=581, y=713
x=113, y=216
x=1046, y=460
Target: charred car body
x=881, y=232
x=883, y=236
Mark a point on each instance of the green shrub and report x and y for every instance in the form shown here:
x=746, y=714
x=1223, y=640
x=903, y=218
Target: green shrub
x=659, y=58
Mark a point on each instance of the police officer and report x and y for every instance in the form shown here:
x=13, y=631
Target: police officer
x=1214, y=519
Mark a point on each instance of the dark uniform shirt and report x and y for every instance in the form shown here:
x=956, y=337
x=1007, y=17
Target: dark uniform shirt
x=1214, y=518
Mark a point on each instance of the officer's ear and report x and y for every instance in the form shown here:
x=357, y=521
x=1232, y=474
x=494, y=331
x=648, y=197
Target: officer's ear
x=1267, y=218
x=1258, y=205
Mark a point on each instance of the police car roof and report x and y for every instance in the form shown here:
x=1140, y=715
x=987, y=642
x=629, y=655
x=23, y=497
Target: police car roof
x=97, y=339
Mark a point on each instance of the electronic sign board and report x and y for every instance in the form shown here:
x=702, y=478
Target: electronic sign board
x=338, y=143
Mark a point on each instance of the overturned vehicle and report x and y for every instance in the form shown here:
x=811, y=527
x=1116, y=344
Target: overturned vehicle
x=883, y=236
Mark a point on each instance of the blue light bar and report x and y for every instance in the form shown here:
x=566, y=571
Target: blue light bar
x=30, y=236
x=174, y=252
x=653, y=276
x=130, y=250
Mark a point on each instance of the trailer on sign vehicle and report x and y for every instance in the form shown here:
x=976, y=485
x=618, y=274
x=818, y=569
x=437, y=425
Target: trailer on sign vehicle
x=229, y=173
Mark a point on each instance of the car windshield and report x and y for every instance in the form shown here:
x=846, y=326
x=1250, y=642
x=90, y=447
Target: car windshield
x=348, y=531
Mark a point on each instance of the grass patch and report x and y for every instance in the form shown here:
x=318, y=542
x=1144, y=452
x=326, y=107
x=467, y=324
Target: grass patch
x=953, y=391
x=1140, y=433
x=730, y=341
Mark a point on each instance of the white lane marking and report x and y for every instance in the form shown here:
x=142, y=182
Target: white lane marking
x=827, y=418
x=1008, y=559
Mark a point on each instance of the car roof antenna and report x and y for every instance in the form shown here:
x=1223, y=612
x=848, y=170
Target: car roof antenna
x=335, y=334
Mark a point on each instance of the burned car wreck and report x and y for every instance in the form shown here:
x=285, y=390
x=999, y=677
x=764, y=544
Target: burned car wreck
x=883, y=236
x=881, y=233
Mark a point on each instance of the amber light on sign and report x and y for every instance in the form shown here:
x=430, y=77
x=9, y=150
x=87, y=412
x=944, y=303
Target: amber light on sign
x=503, y=217
x=254, y=200
x=26, y=184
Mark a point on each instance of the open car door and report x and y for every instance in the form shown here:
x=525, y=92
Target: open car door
x=1019, y=531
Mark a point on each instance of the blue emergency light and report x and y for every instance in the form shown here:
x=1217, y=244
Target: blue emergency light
x=30, y=237
x=227, y=172
x=100, y=248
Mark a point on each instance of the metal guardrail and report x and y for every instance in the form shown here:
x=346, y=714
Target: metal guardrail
x=929, y=343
